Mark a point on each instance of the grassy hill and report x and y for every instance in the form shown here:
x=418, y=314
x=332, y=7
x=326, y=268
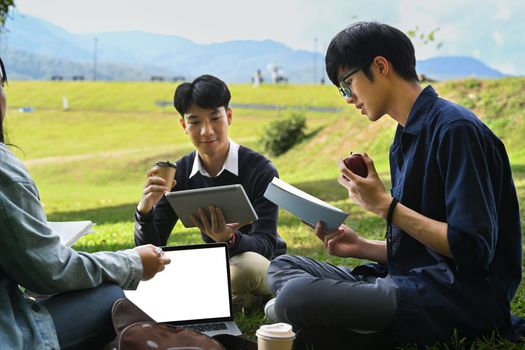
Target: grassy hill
x=90, y=161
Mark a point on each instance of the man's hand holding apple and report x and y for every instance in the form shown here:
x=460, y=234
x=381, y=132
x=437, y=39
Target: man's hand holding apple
x=367, y=192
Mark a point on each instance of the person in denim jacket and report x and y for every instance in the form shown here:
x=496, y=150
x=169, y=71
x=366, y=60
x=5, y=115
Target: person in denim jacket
x=83, y=286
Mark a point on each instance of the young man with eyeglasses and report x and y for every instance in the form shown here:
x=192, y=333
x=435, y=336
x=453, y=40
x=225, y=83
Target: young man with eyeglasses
x=452, y=256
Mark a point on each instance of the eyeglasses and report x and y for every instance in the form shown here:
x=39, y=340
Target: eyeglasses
x=344, y=88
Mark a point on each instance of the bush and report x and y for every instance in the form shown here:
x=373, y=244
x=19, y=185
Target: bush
x=472, y=84
x=281, y=135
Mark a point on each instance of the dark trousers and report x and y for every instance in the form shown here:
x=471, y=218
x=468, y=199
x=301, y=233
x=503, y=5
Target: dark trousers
x=315, y=294
x=83, y=318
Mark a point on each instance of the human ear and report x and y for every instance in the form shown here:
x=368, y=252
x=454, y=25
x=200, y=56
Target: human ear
x=182, y=123
x=382, y=64
x=229, y=115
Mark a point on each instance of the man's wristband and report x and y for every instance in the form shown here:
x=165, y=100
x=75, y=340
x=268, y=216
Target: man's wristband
x=390, y=212
x=389, y=215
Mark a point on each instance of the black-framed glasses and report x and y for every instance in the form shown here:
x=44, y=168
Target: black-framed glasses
x=344, y=88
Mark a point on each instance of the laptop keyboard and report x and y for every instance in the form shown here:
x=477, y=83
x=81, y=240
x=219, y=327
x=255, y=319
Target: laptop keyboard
x=207, y=327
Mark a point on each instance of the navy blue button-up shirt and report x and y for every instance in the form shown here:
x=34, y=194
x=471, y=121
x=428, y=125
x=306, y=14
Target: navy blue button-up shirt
x=447, y=165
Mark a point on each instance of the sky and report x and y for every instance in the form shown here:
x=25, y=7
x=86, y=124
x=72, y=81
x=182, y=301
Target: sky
x=493, y=31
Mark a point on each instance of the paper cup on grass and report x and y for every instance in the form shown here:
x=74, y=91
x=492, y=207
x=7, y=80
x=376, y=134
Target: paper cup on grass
x=277, y=336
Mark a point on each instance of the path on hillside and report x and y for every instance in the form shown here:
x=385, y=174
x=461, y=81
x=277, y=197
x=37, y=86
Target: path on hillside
x=87, y=156
x=153, y=150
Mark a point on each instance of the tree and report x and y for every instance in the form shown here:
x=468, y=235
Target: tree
x=420, y=36
x=5, y=5
x=424, y=38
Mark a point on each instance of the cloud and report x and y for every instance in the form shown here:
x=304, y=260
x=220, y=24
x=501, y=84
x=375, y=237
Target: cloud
x=506, y=68
x=416, y=14
x=498, y=38
x=503, y=14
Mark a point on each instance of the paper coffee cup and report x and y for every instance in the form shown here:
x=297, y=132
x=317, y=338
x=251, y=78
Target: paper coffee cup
x=277, y=336
x=166, y=170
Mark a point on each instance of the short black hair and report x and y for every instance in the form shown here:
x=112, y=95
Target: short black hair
x=358, y=44
x=3, y=78
x=3, y=81
x=205, y=91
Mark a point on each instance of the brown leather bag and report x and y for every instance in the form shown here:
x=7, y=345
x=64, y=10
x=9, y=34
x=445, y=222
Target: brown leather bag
x=136, y=331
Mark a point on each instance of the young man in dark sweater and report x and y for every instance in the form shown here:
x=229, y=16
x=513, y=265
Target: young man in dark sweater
x=216, y=161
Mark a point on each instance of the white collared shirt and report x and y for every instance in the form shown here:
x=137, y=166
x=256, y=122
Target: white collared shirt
x=231, y=163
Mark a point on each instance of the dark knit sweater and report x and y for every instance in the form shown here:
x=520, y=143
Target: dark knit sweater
x=255, y=173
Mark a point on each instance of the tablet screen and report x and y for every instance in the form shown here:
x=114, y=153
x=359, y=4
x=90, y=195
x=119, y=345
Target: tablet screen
x=231, y=199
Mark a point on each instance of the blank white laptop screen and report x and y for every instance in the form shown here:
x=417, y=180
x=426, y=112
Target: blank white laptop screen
x=194, y=286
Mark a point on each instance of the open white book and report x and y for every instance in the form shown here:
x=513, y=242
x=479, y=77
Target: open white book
x=303, y=205
x=70, y=231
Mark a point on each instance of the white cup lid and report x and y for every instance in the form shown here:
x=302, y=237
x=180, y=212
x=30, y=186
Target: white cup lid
x=276, y=330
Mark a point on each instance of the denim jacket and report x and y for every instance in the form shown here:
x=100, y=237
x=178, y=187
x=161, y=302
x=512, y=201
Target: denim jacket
x=32, y=257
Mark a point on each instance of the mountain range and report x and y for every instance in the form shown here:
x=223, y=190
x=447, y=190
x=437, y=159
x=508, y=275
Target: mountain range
x=36, y=49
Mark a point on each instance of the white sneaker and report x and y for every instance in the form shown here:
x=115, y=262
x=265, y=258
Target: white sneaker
x=269, y=311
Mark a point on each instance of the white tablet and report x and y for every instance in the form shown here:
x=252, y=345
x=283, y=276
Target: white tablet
x=231, y=199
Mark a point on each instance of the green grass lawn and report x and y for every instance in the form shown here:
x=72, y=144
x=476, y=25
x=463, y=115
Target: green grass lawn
x=90, y=162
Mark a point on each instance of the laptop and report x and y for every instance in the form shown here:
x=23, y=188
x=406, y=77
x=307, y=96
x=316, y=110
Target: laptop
x=193, y=291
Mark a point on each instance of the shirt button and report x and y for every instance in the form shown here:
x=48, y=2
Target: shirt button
x=35, y=307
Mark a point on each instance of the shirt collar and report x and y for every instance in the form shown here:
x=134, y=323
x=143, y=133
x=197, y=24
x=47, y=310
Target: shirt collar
x=419, y=111
x=231, y=163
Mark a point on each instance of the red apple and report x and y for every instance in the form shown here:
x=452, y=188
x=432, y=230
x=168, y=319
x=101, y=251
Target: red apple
x=356, y=164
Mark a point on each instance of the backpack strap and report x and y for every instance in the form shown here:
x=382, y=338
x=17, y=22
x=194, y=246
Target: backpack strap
x=124, y=313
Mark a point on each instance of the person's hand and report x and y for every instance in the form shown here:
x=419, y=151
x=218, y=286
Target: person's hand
x=215, y=226
x=154, y=189
x=369, y=193
x=153, y=260
x=343, y=242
